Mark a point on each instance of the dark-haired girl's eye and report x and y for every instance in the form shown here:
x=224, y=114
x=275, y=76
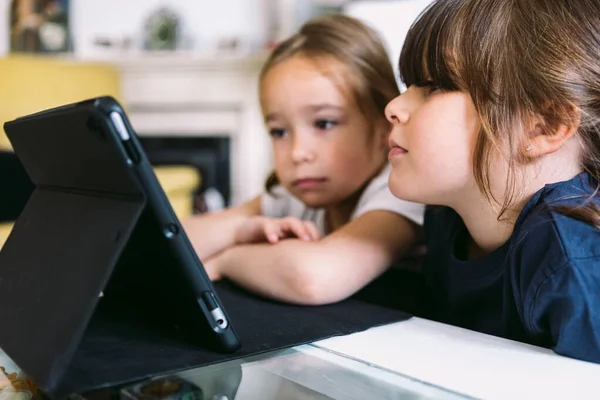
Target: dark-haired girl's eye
x=430, y=87
x=423, y=84
x=433, y=89
x=325, y=124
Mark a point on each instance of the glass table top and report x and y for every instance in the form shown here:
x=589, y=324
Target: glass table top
x=302, y=372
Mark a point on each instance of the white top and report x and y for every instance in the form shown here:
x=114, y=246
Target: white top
x=377, y=196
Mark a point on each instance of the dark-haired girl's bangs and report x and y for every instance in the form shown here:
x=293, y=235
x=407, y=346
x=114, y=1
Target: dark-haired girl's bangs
x=429, y=56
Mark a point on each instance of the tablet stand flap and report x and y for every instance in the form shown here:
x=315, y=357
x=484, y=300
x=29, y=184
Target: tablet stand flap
x=53, y=268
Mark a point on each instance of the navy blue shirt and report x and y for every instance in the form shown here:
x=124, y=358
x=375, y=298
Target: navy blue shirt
x=542, y=286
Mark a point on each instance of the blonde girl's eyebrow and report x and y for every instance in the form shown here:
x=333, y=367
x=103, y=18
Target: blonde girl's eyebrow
x=271, y=117
x=323, y=106
x=311, y=108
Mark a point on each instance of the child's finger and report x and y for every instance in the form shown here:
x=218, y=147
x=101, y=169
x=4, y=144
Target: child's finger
x=312, y=229
x=212, y=271
x=272, y=232
x=213, y=276
x=296, y=227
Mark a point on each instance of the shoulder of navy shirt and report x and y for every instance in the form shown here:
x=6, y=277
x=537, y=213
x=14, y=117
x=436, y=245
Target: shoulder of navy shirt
x=542, y=286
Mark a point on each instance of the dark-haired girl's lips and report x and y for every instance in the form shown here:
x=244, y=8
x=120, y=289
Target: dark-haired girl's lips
x=396, y=152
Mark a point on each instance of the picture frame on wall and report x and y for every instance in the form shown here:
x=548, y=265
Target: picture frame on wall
x=39, y=26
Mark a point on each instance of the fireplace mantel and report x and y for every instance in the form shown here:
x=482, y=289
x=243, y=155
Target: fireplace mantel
x=172, y=94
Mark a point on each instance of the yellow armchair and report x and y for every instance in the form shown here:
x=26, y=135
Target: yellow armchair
x=5, y=229
x=29, y=84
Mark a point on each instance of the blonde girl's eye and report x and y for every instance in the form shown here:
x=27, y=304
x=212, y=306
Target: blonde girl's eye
x=277, y=133
x=325, y=124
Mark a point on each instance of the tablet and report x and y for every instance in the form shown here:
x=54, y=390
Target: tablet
x=97, y=241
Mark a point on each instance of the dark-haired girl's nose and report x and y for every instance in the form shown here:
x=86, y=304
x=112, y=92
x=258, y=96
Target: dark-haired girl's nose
x=396, y=112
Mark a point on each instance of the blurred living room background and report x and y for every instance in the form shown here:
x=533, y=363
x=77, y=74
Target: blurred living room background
x=185, y=71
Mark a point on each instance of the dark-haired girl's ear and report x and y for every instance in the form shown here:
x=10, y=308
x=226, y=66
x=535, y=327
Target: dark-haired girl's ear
x=544, y=138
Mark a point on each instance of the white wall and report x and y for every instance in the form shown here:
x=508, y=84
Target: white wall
x=392, y=19
x=204, y=21
x=4, y=27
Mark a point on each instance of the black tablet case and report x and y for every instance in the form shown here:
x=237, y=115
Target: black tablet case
x=73, y=241
x=15, y=186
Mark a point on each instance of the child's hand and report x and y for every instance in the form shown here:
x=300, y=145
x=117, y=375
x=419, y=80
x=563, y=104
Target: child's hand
x=212, y=269
x=261, y=229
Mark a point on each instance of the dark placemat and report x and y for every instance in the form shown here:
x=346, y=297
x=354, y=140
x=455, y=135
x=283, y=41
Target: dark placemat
x=118, y=348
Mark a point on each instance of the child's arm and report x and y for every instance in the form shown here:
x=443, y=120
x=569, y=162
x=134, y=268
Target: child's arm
x=213, y=233
x=324, y=271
